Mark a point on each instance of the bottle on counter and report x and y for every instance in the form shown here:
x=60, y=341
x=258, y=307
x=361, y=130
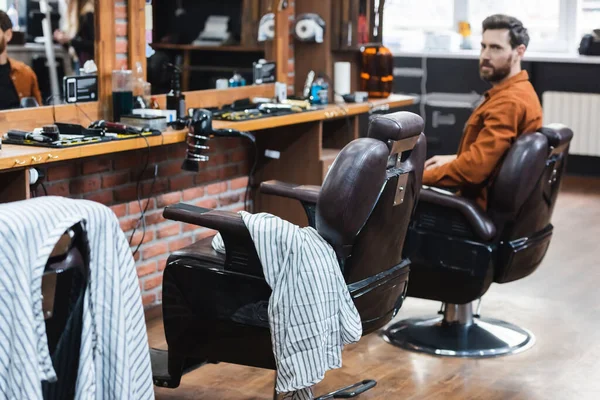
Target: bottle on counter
x=377, y=70
x=154, y=104
x=237, y=80
x=176, y=98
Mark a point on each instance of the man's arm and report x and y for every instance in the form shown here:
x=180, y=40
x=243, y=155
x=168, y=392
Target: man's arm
x=478, y=162
x=35, y=89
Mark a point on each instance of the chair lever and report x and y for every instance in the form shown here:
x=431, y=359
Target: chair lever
x=350, y=391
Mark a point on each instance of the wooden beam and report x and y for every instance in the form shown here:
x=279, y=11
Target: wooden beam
x=105, y=54
x=282, y=38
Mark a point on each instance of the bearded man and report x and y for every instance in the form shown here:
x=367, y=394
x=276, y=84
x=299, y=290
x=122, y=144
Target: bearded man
x=17, y=80
x=510, y=108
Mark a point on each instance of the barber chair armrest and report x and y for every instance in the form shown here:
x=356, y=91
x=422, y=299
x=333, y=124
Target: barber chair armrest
x=303, y=193
x=223, y=221
x=240, y=253
x=479, y=221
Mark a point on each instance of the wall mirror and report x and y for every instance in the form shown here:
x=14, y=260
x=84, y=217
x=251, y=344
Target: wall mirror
x=69, y=25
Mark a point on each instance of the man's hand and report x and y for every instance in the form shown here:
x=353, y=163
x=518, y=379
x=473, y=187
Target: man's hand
x=61, y=37
x=438, y=161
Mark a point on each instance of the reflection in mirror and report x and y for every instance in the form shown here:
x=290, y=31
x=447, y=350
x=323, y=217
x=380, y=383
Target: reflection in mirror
x=47, y=52
x=213, y=43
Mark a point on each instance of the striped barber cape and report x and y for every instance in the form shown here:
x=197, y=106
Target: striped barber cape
x=311, y=313
x=114, y=354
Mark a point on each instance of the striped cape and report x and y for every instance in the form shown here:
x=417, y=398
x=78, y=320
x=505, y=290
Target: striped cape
x=114, y=355
x=311, y=313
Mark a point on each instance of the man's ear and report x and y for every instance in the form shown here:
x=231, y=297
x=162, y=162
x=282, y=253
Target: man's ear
x=521, y=50
x=8, y=35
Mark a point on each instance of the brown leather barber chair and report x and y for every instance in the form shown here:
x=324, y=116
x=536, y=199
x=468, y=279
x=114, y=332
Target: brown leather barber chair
x=64, y=284
x=457, y=250
x=215, y=306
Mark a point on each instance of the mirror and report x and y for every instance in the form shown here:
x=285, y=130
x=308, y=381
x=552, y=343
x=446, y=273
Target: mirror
x=42, y=44
x=214, y=43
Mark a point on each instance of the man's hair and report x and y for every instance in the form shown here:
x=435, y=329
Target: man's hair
x=5, y=22
x=518, y=33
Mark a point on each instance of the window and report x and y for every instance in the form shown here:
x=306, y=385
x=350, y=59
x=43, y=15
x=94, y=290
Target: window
x=589, y=17
x=540, y=17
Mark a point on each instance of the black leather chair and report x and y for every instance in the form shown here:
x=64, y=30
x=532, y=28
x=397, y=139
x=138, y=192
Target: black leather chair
x=457, y=250
x=64, y=284
x=215, y=306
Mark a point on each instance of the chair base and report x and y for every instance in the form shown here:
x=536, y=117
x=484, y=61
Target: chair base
x=462, y=336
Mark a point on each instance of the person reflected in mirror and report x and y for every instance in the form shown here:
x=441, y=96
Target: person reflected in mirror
x=510, y=108
x=77, y=30
x=17, y=80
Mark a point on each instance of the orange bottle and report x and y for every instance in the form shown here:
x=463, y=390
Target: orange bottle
x=377, y=70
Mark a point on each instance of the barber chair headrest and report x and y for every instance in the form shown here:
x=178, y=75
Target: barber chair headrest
x=558, y=135
x=350, y=192
x=396, y=127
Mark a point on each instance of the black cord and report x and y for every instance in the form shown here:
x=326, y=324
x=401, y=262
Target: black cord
x=139, y=182
x=44, y=187
x=250, y=178
x=84, y=113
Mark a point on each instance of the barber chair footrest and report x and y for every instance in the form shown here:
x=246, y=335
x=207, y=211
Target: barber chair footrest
x=350, y=391
x=483, y=337
x=160, y=368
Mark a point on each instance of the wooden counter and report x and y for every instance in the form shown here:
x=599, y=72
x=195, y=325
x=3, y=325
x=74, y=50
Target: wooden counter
x=17, y=157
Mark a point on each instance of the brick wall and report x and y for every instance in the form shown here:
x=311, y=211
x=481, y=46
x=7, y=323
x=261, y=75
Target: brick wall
x=121, y=33
x=113, y=179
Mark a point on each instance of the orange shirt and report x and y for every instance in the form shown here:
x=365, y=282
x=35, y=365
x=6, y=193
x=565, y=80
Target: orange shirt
x=25, y=80
x=508, y=110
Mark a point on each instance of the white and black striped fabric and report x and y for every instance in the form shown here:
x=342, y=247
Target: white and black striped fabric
x=114, y=355
x=311, y=313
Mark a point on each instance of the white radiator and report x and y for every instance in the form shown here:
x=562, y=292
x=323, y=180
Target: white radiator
x=581, y=113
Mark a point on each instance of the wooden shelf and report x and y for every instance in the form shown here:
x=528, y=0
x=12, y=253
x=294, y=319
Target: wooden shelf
x=17, y=157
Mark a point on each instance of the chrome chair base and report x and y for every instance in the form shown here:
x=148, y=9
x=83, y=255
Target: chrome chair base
x=459, y=334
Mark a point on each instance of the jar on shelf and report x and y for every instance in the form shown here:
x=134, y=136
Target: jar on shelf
x=377, y=70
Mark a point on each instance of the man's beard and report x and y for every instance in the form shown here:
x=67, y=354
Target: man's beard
x=2, y=45
x=498, y=73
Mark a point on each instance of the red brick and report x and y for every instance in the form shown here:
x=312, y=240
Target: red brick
x=121, y=29
x=238, y=156
x=170, y=168
x=207, y=203
x=155, y=218
x=122, y=63
x=126, y=193
x=96, y=165
x=58, y=189
x=127, y=160
x=168, y=230
x=161, y=264
x=134, y=206
x=148, y=299
x=85, y=185
x=160, y=186
x=216, y=188
x=65, y=171
x=120, y=12
x=217, y=159
x=128, y=224
x=178, y=151
x=168, y=199
x=104, y=197
x=120, y=210
x=181, y=182
x=155, y=249
x=180, y=243
x=193, y=193
x=207, y=176
x=190, y=228
x=204, y=234
x=238, y=183
x=159, y=154
x=228, y=199
x=116, y=179
x=136, y=256
x=153, y=282
x=137, y=237
x=146, y=269
x=121, y=46
x=229, y=172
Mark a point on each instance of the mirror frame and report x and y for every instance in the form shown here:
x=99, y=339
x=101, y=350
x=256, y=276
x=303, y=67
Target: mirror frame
x=105, y=57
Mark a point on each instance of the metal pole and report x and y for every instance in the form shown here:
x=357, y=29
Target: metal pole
x=49, y=45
